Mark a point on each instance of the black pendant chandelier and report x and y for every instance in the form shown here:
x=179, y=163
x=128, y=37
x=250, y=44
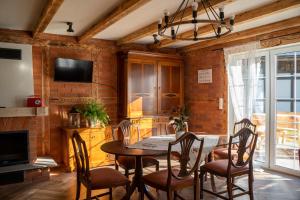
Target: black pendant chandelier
x=168, y=26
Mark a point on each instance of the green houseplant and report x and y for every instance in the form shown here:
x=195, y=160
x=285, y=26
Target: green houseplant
x=95, y=112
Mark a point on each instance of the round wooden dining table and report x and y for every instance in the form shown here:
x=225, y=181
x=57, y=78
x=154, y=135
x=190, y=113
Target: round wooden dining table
x=119, y=149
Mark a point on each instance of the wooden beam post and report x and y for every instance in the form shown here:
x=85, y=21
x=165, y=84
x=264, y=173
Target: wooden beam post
x=121, y=11
x=47, y=15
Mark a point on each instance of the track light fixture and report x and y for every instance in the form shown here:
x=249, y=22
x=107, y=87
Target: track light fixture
x=70, y=28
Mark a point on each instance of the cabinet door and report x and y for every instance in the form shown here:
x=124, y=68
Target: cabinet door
x=142, y=83
x=97, y=156
x=170, y=87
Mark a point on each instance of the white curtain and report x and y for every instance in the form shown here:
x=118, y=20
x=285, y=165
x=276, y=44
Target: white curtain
x=243, y=70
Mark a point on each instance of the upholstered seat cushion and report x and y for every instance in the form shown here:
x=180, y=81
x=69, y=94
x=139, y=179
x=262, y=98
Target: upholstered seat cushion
x=219, y=167
x=128, y=162
x=222, y=153
x=159, y=180
x=106, y=178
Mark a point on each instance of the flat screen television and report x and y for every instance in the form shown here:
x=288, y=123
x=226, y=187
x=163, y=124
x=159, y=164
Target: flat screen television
x=70, y=70
x=13, y=147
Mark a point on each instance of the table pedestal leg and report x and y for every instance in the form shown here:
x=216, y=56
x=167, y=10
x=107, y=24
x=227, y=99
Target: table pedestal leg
x=137, y=179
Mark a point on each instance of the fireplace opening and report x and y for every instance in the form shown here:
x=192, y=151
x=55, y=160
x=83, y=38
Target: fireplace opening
x=14, y=147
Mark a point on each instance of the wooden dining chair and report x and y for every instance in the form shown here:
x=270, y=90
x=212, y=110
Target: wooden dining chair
x=96, y=178
x=178, y=175
x=234, y=166
x=222, y=153
x=122, y=132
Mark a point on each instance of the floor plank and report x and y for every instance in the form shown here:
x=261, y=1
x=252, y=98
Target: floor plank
x=268, y=185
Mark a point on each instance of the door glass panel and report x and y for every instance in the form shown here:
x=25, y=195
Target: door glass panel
x=286, y=127
x=284, y=87
x=285, y=64
x=298, y=88
x=259, y=110
x=298, y=61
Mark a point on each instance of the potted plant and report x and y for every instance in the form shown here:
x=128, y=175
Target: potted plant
x=95, y=112
x=179, y=122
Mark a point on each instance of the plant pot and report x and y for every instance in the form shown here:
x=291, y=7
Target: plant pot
x=179, y=134
x=93, y=123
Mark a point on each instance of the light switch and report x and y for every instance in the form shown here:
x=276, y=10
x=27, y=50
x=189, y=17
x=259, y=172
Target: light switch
x=221, y=103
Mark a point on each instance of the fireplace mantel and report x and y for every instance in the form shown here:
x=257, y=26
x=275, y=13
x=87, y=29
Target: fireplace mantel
x=23, y=111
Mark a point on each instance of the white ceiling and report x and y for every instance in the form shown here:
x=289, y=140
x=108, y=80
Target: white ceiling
x=20, y=14
x=85, y=13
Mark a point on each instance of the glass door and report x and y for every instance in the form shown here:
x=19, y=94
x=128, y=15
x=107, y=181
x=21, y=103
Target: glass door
x=249, y=97
x=285, y=117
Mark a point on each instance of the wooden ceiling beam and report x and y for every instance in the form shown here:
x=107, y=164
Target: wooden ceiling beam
x=263, y=11
x=47, y=15
x=152, y=28
x=253, y=32
x=121, y=11
x=285, y=36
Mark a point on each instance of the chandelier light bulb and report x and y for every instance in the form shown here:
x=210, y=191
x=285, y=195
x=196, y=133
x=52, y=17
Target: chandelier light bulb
x=160, y=21
x=221, y=9
x=166, y=12
x=195, y=6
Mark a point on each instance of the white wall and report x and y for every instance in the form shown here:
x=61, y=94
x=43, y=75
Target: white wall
x=16, y=77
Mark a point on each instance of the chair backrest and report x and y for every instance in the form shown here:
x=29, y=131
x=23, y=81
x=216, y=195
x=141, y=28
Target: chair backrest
x=81, y=157
x=185, y=146
x=122, y=131
x=244, y=123
x=246, y=140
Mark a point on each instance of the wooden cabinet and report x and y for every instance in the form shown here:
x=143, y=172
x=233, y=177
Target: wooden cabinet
x=170, y=87
x=142, y=84
x=150, y=84
x=94, y=138
x=151, y=125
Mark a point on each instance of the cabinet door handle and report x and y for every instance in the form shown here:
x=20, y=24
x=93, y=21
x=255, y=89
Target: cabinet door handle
x=171, y=95
x=142, y=95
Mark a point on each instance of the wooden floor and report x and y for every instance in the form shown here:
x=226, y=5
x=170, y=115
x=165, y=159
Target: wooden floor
x=268, y=185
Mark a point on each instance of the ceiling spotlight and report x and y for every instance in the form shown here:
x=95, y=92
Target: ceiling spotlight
x=156, y=40
x=70, y=28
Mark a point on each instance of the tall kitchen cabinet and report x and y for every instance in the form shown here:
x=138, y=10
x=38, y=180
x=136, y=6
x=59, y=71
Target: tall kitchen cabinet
x=150, y=88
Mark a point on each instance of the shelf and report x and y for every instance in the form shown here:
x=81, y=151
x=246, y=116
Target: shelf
x=23, y=111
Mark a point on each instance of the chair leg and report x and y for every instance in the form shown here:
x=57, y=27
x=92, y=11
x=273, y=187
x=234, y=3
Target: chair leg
x=127, y=173
x=201, y=184
x=169, y=194
x=213, y=183
x=196, y=189
x=229, y=188
x=250, y=182
x=110, y=194
x=88, y=193
x=78, y=184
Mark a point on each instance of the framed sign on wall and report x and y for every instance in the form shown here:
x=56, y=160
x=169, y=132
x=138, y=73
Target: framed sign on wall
x=205, y=76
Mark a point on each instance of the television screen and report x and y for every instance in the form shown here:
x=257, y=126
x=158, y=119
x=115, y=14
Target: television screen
x=70, y=70
x=13, y=147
